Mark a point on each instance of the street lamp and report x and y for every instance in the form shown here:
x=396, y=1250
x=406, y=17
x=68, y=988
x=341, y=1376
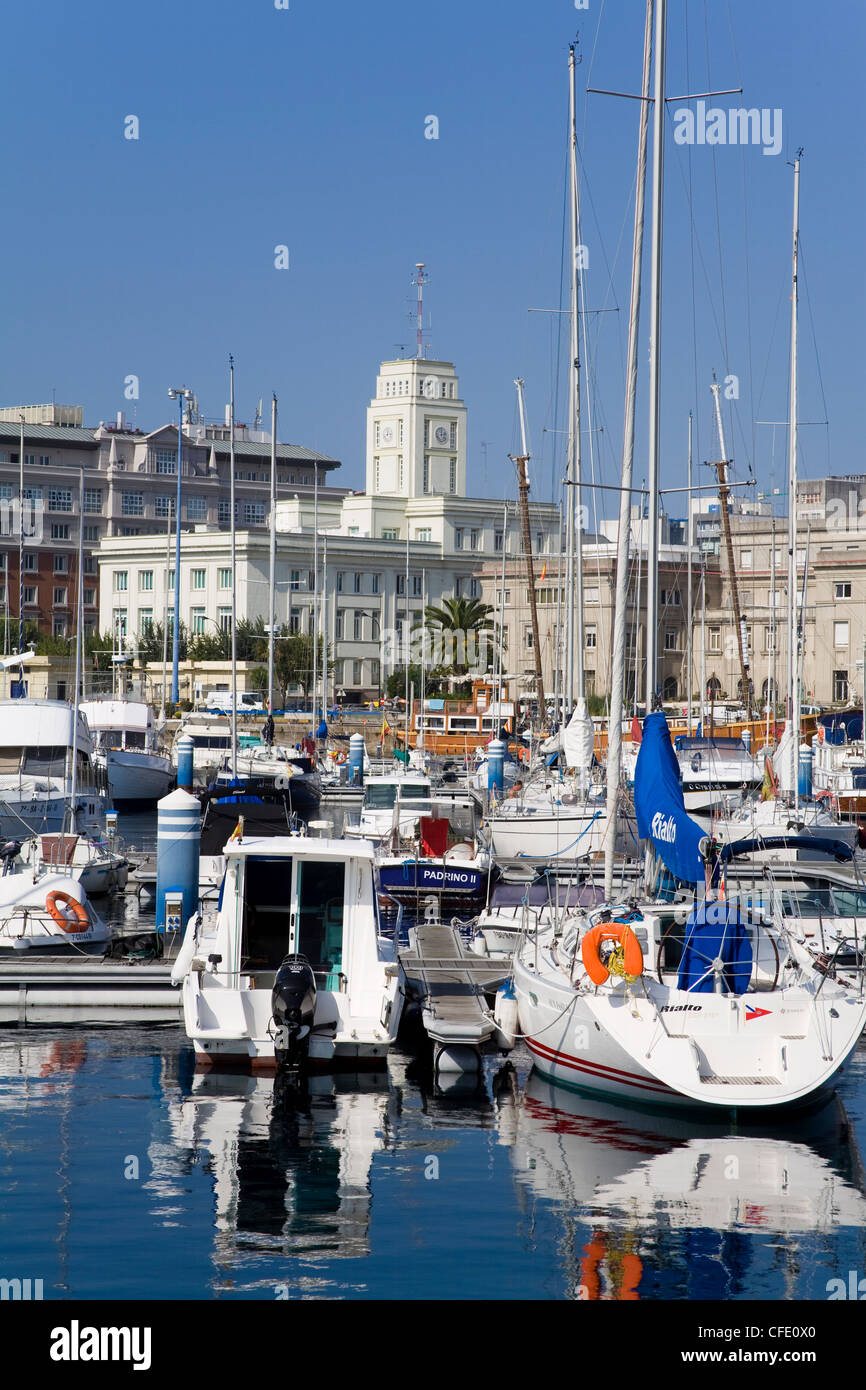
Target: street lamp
x=179, y=394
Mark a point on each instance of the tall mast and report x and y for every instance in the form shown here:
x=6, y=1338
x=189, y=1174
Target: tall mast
x=793, y=674
x=272, y=604
x=79, y=616
x=407, y=641
x=314, y=616
x=575, y=509
x=689, y=592
x=523, y=488
x=324, y=607
x=724, y=492
x=655, y=355
x=614, y=728
x=234, y=567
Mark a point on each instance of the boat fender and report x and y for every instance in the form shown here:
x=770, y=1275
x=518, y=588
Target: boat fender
x=505, y=1017
x=631, y=962
x=80, y=922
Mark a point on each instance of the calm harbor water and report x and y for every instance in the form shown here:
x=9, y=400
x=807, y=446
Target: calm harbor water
x=127, y=1175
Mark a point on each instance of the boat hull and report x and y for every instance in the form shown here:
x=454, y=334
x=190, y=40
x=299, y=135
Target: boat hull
x=138, y=777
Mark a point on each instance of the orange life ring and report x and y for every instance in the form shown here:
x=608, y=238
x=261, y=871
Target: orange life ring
x=339, y=758
x=80, y=920
x=610, y=931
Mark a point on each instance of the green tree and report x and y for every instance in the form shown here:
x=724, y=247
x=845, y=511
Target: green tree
x=466, y=618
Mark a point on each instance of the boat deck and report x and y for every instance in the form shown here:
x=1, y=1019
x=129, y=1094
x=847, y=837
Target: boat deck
x=452, y=983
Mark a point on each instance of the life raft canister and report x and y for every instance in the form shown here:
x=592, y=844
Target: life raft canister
x=80, y=921
x=590, y=949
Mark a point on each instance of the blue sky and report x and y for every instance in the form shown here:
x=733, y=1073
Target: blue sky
x=305, y=127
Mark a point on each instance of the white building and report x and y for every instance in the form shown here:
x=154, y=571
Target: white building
x=416, y=486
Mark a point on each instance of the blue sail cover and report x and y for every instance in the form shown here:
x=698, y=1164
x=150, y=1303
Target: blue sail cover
x=658, y=801
x=714, y=932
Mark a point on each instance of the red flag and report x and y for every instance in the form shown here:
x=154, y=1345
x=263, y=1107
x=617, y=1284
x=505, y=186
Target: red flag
x=635, y=730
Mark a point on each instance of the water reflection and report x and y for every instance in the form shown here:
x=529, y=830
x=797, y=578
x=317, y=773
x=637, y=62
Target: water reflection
x=642, y=1183
x=290, y=1167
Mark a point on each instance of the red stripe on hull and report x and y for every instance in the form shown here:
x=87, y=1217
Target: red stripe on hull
x=598, y=1069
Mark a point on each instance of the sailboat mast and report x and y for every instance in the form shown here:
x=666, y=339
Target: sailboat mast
x=576, y=498
x=234, y=726
x=617, y=678
x=689, y=592
x=655, y=355
x=272, y=603
x=324, y=626
x=314, y=616
x=724, y=492
x=793, y=673
x=79, y=617
x=523, y=490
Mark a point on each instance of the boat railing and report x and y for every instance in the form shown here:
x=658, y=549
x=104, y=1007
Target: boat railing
x=31, y=917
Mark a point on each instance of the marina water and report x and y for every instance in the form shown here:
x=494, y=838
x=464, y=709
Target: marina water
x=126, y=1175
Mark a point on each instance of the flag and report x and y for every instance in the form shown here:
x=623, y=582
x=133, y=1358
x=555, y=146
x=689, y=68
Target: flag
x=543, y=571
x=386, y=729
x=238, y=831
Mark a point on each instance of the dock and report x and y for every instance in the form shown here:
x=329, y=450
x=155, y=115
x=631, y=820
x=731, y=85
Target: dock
x=451, y=983
x=60, y=990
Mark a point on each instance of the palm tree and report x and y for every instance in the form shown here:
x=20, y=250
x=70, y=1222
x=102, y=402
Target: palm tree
x=467, y=616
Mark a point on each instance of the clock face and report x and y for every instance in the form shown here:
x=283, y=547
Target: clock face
x=441, y=435
x=387, y=434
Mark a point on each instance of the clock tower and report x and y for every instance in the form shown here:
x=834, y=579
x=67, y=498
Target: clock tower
x=416, y=431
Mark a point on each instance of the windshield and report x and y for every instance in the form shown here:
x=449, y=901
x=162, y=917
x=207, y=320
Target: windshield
x=381, y=798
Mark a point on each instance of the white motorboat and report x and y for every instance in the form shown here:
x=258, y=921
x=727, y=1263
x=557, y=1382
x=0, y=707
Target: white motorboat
x=290, y=968
x=127, y=747
x=50, y=916
x=37, y=738
x=393, y=804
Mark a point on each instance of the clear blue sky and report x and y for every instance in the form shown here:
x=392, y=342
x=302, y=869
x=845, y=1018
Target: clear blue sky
x=305, y=126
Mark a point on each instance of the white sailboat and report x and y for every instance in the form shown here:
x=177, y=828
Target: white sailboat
x=741, y=1020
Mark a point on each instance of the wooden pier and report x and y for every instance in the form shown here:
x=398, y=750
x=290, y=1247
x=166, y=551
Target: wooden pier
x=451, y=983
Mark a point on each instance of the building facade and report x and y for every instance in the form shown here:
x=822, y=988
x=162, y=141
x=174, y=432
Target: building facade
x=129, y=489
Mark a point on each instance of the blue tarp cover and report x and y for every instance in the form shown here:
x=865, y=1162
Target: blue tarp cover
x=658, y=801
x=714, y=931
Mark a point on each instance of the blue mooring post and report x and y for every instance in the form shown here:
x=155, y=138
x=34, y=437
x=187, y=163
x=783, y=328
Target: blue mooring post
x=178, y=833
x=804, y=771
x=495, y=767
x=747, y=739
x=185, y=750
x=356, y=760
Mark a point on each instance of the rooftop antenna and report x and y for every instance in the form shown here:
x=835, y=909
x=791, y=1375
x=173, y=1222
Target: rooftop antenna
x=421, y=280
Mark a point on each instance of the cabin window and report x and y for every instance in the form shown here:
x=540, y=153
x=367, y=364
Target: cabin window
x=318, y=933
x=267, y=911
x=44, y=762
x=10, y=759
x=459, y=724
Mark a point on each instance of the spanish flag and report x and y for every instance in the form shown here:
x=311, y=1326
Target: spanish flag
x=238, y=832
x=386, y=728
x=543, y=571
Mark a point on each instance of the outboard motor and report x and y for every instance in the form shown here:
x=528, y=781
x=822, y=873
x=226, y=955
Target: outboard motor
x=8, y=852
x=293, y=1005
